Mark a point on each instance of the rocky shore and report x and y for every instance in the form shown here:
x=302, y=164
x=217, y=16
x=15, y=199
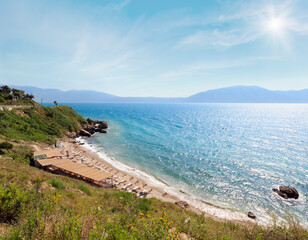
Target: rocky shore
x=93, y=127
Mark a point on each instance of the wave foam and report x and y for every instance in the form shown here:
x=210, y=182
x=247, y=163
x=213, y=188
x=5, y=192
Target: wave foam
x=154, y=182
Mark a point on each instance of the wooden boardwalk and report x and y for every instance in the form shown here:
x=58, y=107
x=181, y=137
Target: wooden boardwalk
x=54, y=161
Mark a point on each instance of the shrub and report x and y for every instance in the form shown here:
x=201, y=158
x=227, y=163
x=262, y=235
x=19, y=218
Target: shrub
x=57, y=184
x=13, y=200
x=22, y=154
x=6, y=145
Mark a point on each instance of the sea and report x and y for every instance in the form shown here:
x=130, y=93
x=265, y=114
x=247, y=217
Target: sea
x=228, y=155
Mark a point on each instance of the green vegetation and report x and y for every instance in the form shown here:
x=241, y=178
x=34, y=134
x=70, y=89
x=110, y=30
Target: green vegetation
x=33, y=208
x=13, y=201
x=12, y=96
x=57, y=184
x=84, y=189
x=39, y=123
x=34, y=122
x=6, y=145
x=19, y=153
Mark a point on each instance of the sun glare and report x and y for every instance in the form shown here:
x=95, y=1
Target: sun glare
x=275, y=25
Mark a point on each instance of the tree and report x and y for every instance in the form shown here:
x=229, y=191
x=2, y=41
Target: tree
x=55, y=103
x=5, y=89
x=18, y=93
x=28, y=97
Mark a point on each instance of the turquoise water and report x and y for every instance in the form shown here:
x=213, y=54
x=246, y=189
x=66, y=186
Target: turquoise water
x=230, y=155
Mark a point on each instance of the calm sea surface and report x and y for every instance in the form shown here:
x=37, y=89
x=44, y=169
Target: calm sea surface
x=231, y=155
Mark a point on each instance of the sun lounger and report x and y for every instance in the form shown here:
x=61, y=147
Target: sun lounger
x=143, y=194
x=121, y=182
x=134, y=190
x=126, y=186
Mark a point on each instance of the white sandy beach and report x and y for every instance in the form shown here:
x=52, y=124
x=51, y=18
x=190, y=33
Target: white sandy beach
x=129, y=179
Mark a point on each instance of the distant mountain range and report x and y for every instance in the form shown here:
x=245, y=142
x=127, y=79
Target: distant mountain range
x=236, y=94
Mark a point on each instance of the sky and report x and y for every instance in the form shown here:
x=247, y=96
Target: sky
x=173, y=48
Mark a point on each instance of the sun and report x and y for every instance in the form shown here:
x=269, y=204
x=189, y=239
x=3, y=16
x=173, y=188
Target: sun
x=275, y=25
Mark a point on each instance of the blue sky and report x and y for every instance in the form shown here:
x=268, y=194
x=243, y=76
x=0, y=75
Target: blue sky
x=154, y=48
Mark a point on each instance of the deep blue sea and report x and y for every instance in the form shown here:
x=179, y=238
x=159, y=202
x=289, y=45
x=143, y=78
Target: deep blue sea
x=230, y=155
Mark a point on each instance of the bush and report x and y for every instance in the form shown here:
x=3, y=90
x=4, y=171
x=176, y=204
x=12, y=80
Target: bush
x=13, y=200
x=57, y=184
x=6, y=145
x=22, y=154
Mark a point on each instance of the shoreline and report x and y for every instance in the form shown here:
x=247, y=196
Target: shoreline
x=133, y=179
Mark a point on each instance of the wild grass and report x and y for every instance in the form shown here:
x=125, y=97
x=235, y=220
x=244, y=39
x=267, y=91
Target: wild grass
x=46, y=211
x=84, y=189
x=39, y=123
x=19, y=153
x=57, y=184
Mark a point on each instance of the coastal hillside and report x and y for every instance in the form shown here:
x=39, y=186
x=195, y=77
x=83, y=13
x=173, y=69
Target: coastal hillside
x=235, y=94
x=35, y=204
x=30, y=121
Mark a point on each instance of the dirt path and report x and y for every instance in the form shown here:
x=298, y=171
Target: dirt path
x=10, y=107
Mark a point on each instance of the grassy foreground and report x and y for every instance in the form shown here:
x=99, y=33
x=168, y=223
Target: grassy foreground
x=39, y=205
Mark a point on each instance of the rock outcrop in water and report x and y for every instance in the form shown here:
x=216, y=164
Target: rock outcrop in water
x=94, y=127
x=84, y=133
x=251, y=215
x=100, y=124
x=286, y=192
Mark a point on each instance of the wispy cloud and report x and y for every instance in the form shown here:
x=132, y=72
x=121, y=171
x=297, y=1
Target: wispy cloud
x=206, y=67
x=218, y=38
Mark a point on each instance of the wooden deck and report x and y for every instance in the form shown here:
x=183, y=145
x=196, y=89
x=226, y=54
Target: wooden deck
x=63, y=165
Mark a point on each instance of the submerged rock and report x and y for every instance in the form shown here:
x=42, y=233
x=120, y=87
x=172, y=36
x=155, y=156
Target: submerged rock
x=102, y=131
x=251, y=215
x=286, y=192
